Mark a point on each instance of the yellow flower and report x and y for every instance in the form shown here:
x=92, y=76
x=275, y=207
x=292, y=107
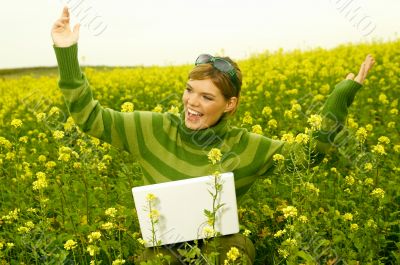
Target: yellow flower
x=247, y=119
x=351, y=123
x=288, y=137
x=354, y=227
x=283, y=252
x=256, y=129
x=141, y=241
x=150, y=197
x=378, y=193
x=54, y=111
x=154, y=215
x=369, y=181
x=233, y=254
x=315, y=121
x=92, y=250
x=50, y=164
x=107, y=226
x=272, y=124
x=118, y=262
x=30, y=224
x=42, y=158
x=289, y=211
x=267, y=111
x=371, y=223
x=391, y=124
x=69, y=125
x=58, y=135
x=174, y=110
x=361, y=134
x=303, y=219
x=16, y=123
x=383, y=140
x=311, y=187
x=278, y=157
x=94, y=236
x=6, y=143
x=349, y=180
x=23, y=229
x=10, y=245
x=368, y=166
x=348, y=217
x=280, y=233
x=379, y=149
x=369, y=127
x=290, y=242
x=111, y=212
x=214, y=155
x=394, y=111
x=101, y=167
x=208, y=231
x=40, y=116
x=302, y=138
x=158, y=108
x=23, y=139
x=41, y=181
x=127, y=107
x=396, y=148
x=383, y=99
x=319, y=97
x=246, y=232
x=70, y=244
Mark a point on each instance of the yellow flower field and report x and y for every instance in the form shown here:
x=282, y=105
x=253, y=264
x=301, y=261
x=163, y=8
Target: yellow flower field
x=65, y=198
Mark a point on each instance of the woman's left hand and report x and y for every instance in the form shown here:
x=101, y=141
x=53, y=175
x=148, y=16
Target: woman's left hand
x=364, y=69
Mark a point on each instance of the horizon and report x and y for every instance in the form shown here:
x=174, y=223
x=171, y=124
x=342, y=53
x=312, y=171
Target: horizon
x=138, y=33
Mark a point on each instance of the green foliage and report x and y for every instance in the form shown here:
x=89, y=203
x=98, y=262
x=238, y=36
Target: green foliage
x=343, y=211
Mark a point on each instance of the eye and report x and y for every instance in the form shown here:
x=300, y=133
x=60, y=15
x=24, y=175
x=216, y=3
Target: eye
x=188, y=89
x=207, y=98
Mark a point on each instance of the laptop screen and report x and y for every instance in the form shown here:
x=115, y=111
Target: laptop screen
x=174, y=212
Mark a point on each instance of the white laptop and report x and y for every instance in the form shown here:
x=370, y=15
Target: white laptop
x=181, y=206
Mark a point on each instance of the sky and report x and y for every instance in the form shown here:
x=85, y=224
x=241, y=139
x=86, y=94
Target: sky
x=172, y=32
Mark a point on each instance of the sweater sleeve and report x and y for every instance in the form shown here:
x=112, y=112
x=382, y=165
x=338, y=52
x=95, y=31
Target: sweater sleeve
x=103, y=123
x=335, y=110
x=334, y=113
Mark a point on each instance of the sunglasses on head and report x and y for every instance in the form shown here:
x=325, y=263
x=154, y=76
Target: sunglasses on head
x=222, y=65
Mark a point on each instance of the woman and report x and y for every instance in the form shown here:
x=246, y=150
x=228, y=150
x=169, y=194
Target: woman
x=172, y=148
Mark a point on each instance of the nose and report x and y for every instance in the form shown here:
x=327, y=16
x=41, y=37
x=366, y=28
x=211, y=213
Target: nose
x=192, y=100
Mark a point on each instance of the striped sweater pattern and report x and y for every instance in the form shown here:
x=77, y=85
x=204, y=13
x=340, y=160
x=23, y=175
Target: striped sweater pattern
x=166, y=149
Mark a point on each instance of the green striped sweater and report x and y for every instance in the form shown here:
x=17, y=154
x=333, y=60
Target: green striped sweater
x=166, y=149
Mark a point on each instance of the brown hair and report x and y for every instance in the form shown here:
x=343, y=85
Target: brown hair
x=220, y=79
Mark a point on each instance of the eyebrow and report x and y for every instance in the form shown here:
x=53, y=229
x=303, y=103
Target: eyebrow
x=204, y=93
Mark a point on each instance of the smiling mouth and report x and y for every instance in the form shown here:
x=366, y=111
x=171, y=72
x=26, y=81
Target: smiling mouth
x=194, y=114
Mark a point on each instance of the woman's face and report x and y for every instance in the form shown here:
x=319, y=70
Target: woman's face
x=204, y=104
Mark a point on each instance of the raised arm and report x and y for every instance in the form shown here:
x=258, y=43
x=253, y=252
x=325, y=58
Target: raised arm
x=335, y=109
x=105, y=124
x=334, y=113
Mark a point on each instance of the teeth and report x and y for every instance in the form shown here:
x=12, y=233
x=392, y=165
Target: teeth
x=192, y=112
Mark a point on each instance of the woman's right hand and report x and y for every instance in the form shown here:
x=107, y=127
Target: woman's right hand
x=61, y=31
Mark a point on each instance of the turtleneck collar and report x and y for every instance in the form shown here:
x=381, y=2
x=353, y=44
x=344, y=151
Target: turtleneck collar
x=208, y=137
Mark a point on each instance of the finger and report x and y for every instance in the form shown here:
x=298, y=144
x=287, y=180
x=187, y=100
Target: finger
x=76, y=31
x=65, y=12
x=59, y=24
x=76, y=28
x=350, y=76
